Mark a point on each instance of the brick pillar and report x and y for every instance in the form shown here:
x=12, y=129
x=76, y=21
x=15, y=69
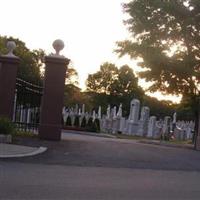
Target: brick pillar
x=8, y=72
x=53, y=94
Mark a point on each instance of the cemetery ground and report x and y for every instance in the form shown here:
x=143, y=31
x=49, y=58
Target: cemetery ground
x=90, y=167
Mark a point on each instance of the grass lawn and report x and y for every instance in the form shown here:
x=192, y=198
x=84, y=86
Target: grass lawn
x=134, y=137
x=24, y=134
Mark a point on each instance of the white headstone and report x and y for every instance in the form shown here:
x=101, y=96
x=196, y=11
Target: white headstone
x=108, y=112
x=93, y=115
x=166, y=126
x=151, y=126
x=99, y=112
x=119, y=113
x=114, y=112
x=79, y=112
x=145, y=113
x=174, y=118
x=134, y=110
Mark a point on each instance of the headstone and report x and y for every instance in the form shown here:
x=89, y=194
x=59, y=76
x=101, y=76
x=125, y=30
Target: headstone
x=166, y=128
x=151, y=127
x=114, y=115
x=108, y=112
x=115, y=121
x=132, y=124
x=99, y=112
x=79, y=112
x=65, y=115
x=119, y=113
x=143, y=122
x=93, y=115
x=158, y=129
x=174, y=118
x=122, y=124
x=134, y=110
x=108, y=121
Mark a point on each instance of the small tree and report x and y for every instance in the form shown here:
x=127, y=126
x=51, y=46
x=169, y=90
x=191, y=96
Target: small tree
x=69, y=121
x=97, y=125
x=6, y=126
x=90, y=125
x=76, y=121
x=83, y=122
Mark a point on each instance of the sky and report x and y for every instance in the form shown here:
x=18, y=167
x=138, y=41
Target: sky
x=89, y=29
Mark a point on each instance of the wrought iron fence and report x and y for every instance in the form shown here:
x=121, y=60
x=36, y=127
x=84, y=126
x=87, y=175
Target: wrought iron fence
x=27, y=102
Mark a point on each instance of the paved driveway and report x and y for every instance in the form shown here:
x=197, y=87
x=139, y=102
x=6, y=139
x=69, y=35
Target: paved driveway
x=86, y=167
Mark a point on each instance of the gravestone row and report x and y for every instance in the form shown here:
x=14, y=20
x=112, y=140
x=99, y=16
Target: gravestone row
x=139, y=122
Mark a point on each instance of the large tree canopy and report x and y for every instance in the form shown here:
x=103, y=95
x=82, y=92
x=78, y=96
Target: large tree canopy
x=30, y=61
x=166, y=35
x=112, y=85
x=103, y=80
x=113, y=81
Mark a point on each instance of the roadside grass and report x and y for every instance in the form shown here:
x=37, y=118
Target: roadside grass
x=178, y=141
x=140, y=138
x=132, y=137
x=19, y=133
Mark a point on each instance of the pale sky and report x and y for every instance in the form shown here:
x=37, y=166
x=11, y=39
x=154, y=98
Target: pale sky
x=89, y=29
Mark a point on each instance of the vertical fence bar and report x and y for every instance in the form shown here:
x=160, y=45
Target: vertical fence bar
x=27, y=105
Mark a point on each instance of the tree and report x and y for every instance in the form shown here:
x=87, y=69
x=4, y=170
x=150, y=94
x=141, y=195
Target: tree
x=113, y=81
x=126, y=83
x=166, y=35
x=113, y=86
x=30, y=61
x=158, y=108
x=71, y=76
x=102, y=81
x=72, y=95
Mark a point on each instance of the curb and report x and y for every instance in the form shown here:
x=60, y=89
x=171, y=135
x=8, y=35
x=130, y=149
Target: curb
x=89, y=133
x=185, y=146
x=20, y=155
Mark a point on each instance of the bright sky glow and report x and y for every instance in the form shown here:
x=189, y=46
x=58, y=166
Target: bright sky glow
x=89, y=29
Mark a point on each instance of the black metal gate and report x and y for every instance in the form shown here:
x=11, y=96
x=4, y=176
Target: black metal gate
x=27, y=102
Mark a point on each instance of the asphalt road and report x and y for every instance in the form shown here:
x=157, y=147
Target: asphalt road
x=86, y=167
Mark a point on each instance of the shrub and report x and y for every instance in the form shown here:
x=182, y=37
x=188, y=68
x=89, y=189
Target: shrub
x=76, y=121
x=90, y=122
x=69, y=121
x=91, y=125
x=97, y=125
x=83, y=123
x=6, y=126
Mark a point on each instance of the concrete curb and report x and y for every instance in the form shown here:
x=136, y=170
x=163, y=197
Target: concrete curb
x=89, y=133
x=186, y=146
x=18, y=154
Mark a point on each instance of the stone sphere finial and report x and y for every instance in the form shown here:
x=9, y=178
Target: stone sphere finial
x=58, y=45
x=11, y=45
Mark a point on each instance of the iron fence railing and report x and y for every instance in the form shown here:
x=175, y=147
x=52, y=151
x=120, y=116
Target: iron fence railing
x=27, y=102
